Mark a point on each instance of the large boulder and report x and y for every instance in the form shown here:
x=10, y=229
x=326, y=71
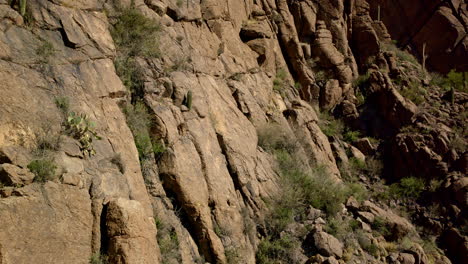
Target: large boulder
x=325, y=244
x=50, y=223
x=13, y=175
x=131, y=233
x=397, y=225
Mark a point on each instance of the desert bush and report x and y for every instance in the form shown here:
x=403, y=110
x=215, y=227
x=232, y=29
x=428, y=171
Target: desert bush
x=407, y=188
x=414, y=92
x=139, y=121
x=63, y=103
x=275, y=250
x=273, y=137
x=361, y=80
x=279, y=81
x=135, y=35
x=98, y=258
x=43, y=169
x=351, y=136
x=329, y=125
x=401, y=54
x=168, y=242
x=44, y=51
x=454, y=79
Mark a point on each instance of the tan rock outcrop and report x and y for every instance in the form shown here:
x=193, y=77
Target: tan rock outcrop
x=12, y=175
x=442, y=25
x=131, y=233
x=51, y=222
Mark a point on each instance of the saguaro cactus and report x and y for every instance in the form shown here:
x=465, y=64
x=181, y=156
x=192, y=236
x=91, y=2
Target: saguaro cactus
x=424, y=57
x=378, y=13
x=22, y=5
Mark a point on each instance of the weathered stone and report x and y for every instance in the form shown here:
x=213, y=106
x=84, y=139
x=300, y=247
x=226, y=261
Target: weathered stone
x=406, y=258
x=398, y=226
x=52, y=223
x=15, y=155
x=326, y=244
x=13, y=175
x=330, y=94
x=131, y=233
x=365, y=146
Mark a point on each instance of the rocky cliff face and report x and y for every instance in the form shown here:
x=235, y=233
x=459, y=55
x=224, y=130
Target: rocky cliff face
x=440, y=25
x=180, y=131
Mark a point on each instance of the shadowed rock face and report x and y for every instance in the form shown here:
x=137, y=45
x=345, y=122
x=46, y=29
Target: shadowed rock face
x=203, y=191
x=442, y=25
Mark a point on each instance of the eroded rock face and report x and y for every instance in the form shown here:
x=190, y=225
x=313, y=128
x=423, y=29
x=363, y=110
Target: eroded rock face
x=130, y=233
x=207, y=187
x=50, y=222
x=442, y=25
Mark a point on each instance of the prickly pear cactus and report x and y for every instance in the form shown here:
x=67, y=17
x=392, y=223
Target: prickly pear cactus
x=79, y=127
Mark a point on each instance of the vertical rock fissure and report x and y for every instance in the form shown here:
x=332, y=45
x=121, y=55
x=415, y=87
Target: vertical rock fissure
x=233, y=173
x=103, y=227
x=182, y=212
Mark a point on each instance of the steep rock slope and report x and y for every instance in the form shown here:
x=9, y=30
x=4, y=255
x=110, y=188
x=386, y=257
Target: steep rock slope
x=222, y=73
x=441, y=25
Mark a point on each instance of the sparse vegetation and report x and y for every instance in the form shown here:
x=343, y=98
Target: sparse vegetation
x=302, y=187
x=351, y=136
x=44, y=51
x=275, y=250
x=414, y=92
x=139, y=121
x=134, y=36
x=454, y=79
x=43, y=169
x=407, y=188
x=402, y=55
x=168, y=242
x=98, y=258
x=63, y=103
x=82, y=129
x=279, y=81
x=329, y=125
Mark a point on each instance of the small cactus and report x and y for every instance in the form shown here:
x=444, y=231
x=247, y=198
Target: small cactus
x=188, y=101
x=22, y=5
x=452, y=95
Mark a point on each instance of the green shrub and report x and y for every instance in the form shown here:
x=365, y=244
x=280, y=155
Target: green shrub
x=168, y=242
x=454, y=79
x=380, y=226
x=135, y=35
x=279, y=81
x=362, y=80
x=44, y=51
x=275, y=250
x=272, y=137
x=139, y=121
x=401, y=54
x=329, y=125
x=63, y=103
x=407, y=188
x=232, y=255
x=351, y=136
x=43, y=169
x=414, y=93
x=98, y=258
x=131, y=74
